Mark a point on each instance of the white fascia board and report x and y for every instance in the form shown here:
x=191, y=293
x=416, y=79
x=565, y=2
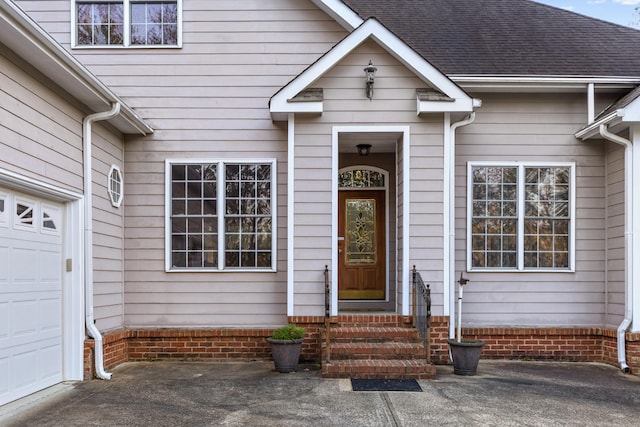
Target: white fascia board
x=631, y=113
x=340, y=12
x=458, y=106
x=28, y=40
x=393, y=45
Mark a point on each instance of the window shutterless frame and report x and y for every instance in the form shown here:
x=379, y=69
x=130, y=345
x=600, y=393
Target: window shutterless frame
x=520, y=217
x=225, y=214
x=127, y=24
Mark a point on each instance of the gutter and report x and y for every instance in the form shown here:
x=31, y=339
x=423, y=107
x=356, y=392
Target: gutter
x=449, y=217
x=628, y=238
x=92, y=330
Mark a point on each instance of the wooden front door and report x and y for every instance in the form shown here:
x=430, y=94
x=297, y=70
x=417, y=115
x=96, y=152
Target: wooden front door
x=361, y=245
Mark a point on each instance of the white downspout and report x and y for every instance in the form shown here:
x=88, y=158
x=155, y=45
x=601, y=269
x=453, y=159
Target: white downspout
x=450, y=225
x=88, y=235
x=628, y=238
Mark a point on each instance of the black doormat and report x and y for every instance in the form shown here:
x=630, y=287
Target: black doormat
x=384, y=385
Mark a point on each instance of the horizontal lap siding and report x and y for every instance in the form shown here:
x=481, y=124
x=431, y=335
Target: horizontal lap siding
x=345, y=104
x=615, y=234
x=40, y=130
x=41, y=137
x=208, y=99
x=536, y=127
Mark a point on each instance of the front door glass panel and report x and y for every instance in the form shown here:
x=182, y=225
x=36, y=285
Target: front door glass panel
x=361, y=232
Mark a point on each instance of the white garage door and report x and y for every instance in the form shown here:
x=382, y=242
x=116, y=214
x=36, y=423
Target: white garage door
x=30, y=295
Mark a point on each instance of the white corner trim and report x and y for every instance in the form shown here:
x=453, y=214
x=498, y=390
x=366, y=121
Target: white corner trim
x=395, y=47
x=406, y=220
x=291, y=170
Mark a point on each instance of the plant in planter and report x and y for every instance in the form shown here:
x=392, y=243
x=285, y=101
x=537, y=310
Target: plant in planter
x=465, y=353
x=286, y=344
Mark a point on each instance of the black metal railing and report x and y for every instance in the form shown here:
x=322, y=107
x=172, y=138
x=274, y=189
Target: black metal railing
x=422, y=311
x=327, y=314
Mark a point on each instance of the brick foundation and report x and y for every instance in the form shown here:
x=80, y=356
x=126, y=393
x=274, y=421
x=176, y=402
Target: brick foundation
x=564, y=344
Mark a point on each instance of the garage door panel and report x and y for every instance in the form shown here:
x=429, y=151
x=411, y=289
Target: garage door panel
x=24, y=318
x=4, y=321
x=30, y=299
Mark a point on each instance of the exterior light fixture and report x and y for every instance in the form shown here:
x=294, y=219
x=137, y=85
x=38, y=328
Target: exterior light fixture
x=370, y=72
x=364, y=149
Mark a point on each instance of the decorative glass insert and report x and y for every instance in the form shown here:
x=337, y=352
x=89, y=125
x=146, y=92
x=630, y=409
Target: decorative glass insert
x=194, y=220
x=520, y=217
x=3, y=211
x=115, y=186
x=147, y=23
x=50, y=218
x=24, y=214
x=361, y=236
x=361, y=178
x=222, y=215
x=48, y=222
x=100, y=23
x=154, y=23
x=248, y=224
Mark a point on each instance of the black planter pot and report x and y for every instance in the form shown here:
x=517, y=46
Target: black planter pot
x=466, y=355
x=285, y=353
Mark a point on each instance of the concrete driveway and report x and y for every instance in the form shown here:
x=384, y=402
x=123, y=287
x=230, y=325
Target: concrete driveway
x=253, y=394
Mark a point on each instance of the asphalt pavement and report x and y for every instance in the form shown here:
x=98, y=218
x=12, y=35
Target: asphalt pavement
x=504, y=393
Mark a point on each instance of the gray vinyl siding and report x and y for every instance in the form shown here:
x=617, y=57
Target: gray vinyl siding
x=41, y=137
x=615, y=235
x=537, y=127
x=206, y=100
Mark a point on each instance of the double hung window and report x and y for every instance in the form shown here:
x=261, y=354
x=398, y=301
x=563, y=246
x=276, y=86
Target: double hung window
x=520, y=216
x=221, y=215
x=127, y=23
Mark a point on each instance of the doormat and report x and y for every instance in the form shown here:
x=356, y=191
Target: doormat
x=384, y=385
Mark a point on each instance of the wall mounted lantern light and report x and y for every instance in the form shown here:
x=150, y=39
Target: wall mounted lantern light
x=364, y=149
x=370, y=72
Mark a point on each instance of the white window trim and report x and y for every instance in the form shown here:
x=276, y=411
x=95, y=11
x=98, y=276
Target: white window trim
x=220, y=183
x=126, y=32
x=115, y=202
x=520, y=236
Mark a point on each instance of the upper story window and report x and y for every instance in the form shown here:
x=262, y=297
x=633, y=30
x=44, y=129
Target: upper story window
x=521, y=217
x=128, y=23
x=221, y=215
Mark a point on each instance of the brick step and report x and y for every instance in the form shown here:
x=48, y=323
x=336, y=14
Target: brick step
x=374, y=334
x=371, y=320
x=379, y=369
x=368, y=350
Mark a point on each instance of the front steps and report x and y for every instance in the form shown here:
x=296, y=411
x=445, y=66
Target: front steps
x=379, y=346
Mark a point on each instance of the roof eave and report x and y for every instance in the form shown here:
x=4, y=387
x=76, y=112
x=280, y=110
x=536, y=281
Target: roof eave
x=25, y=37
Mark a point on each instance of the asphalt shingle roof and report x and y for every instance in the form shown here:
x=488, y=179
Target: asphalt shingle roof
x=508, y=37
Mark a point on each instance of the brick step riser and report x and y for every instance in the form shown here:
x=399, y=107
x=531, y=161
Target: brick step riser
x=378, y=372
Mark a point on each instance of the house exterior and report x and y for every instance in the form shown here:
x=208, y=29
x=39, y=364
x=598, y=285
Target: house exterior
x=202, y=161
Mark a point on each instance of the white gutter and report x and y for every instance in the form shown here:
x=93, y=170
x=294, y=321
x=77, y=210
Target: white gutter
x=88, y=235
x=628, y=238
x=450, y=217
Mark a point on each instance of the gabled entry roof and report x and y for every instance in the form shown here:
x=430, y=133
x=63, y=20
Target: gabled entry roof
x=454, y=99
